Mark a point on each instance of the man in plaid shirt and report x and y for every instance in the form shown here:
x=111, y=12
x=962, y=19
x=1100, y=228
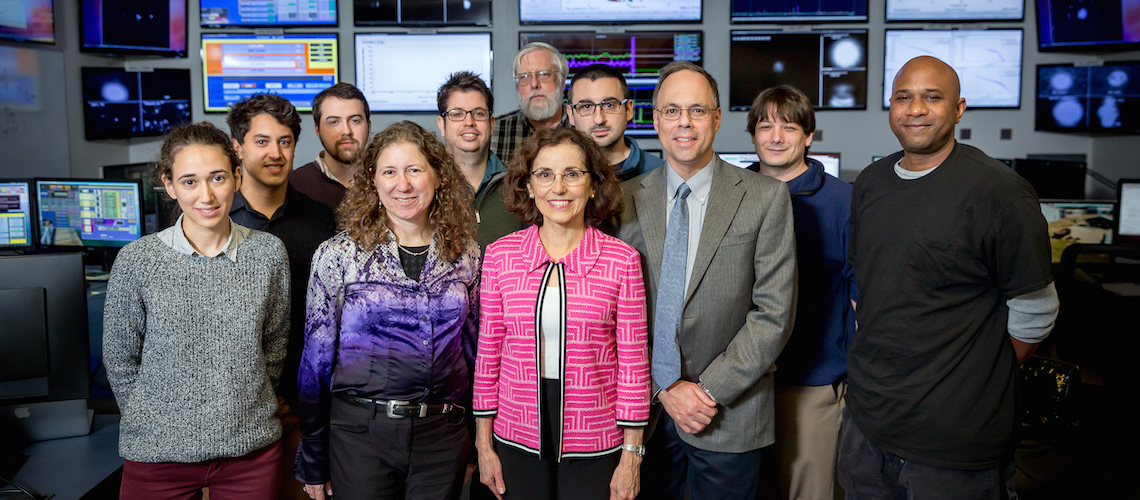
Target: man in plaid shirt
x=540, y=78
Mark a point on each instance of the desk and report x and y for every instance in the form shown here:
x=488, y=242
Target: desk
x=71, y=467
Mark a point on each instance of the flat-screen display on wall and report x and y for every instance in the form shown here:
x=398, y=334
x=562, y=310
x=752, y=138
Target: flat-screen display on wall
x=778, y=11
x=120, y=104
x=296, y=66
x=830, y=66
x=592, y=11
x=28, y=21
x=133, y=27
x=1092, y=99
x=421, y=12
x=988, y=62
x=88, y=212
x=955, y=10
x=250, y=13
x=16, y=215
x=638, y=54
x=401, y=72
x=1087, y=25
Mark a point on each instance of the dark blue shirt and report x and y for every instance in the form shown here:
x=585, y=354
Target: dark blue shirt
x=816, y=353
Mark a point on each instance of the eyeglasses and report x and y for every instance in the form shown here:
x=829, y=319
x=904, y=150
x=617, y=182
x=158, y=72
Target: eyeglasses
x=458, y=115
x=697, y=112
x=571, y=177
x=543, y=75
x=609, y=107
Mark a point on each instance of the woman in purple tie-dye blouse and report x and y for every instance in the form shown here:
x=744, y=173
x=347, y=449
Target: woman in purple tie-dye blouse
x=392, y=312
x=562, y=379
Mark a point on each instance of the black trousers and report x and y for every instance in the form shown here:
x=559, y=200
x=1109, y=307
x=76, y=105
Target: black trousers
x=376, y=457
x=673, y=466
x=530, y=477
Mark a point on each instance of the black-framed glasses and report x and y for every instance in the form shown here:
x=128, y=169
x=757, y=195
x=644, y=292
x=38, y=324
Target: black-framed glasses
x=458, y=115
x=698, y=112
x=608, y=106
x=543, y=75
x=571, y=177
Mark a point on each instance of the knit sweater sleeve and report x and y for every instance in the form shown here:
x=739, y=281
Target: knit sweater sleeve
x=124, y=324
x=276, y=334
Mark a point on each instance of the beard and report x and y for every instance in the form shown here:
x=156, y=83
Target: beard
x=548, y=110
x=345, y=156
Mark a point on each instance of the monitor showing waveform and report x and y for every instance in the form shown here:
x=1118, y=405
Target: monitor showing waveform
x=637, y=54
x=767, y=11
x=988, y=62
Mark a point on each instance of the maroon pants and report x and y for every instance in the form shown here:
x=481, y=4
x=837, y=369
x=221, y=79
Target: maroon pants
x=255, y=476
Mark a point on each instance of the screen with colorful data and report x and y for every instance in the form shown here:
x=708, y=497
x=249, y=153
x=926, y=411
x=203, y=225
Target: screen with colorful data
x=778, y=11
x=1089, y=99
x=16, y=214
x=295, y=66
x=830, y=66
x=89, y=213
x=267, y=13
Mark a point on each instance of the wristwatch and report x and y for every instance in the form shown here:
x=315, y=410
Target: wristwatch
x=636, y=448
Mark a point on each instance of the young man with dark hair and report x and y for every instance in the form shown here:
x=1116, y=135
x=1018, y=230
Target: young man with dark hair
x=342, y=121
x=812, y=378
x=601, y=107
x=264, y=130
x=466, y=122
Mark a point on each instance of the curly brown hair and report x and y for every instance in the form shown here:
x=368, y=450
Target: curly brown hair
x=607, y=189
x=451, y=217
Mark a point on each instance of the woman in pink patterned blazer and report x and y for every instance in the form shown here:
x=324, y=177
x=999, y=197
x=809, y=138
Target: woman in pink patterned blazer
x=562, y=376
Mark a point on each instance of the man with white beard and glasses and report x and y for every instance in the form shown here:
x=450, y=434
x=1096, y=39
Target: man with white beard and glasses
x=341, y=118
x=540, y=78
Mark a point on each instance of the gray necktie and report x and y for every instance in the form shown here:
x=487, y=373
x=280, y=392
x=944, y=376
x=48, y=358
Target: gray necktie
x=666, y=364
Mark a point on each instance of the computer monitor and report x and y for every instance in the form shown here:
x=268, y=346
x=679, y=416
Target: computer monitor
x=267, y=13
x=44, y=346
x=1064, y=25
x=1092, y=99
x=1053, y=179
x=830, y=161
x=296, y=66
x=120, y=104
x=557, y=12
x=133, y=27
x=640, y=55
x=29, y=21
x=988, y=62
x=815, y=11
x=1127, y=228
x=422, y=13
x=402, y=72
x=957, y=10
x=89, y=212
x=1078, y=221
x=16, y=214
x=830, y=66
x=142, y=173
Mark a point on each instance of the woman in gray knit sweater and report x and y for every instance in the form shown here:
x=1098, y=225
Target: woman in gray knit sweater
x=195, y=329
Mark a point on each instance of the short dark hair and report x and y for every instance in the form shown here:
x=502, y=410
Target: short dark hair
x=596, y=71
x=678, y=66
x=192, y=134
x=607, y=189
x=463, y=81
x=344, y=91
x=790, y=104
x=243, y=111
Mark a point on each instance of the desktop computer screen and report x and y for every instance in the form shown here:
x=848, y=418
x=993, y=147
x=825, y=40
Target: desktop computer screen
x=120, y=104
x=421, y=12
x=89, y=213
x=133, y=27
x=988, y=62
x=401, y=73
x=296, y=66
x=830, y=161
x=830, y=66
x=267, y=13
x=16, y=214
x=1127, y=228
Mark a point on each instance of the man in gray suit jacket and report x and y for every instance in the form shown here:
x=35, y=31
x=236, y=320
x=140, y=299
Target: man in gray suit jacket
x=722, y=309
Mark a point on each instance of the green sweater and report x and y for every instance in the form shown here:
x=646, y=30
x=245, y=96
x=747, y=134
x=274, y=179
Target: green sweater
x=193, y=347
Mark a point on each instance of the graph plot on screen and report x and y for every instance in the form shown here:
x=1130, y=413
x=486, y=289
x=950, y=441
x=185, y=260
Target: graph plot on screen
x=399, y=72
x=988, y=62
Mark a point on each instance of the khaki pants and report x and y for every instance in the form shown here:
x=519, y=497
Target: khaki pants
x=807, y=440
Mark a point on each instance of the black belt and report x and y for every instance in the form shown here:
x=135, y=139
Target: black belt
x=401, y=409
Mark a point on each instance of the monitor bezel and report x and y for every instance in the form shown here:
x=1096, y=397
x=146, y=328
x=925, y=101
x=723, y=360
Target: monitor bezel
x=117, y=51
x=251, y=35
x=356, y=66
x=1020, y=67
x=33, y=214
x=85, y=247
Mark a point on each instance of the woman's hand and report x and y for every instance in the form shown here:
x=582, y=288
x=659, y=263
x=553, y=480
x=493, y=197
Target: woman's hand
x=319, y=491
x=627, y=477
x=490, y=468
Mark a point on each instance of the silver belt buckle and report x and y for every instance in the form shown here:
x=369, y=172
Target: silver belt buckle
x=392, y=405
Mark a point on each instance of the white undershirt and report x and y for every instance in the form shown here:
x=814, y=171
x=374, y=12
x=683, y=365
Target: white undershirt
x=550, y=334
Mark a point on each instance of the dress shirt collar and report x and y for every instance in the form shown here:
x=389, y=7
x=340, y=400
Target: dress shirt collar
x=325, y=169
x=700, y=183
x=175, y=238
x=579, y=261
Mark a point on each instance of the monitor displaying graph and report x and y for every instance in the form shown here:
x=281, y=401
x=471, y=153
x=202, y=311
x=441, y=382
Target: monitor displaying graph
x=402, y=72
x=297, y=66
x=640, y=55
x=988, y=62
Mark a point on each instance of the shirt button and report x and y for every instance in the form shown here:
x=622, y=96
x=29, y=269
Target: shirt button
x=425, y=342
x=425, y=319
